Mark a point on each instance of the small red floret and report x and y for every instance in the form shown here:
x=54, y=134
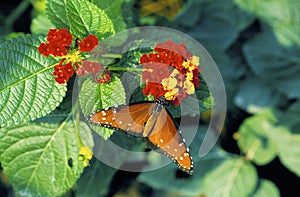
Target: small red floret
x=62, y=72
x=57, y=50
x=44, y=49
x=88, y=43
x=102, y=78
x=59, y=37
x=91, y=67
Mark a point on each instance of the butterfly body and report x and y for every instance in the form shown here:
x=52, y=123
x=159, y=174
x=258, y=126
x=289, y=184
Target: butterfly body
x=153, y=122
x=149, y=125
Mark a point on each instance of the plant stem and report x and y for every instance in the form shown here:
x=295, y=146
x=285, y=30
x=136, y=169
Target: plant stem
x=111, y=68
x=11, y=19
x=111, y=55
x=77, y=123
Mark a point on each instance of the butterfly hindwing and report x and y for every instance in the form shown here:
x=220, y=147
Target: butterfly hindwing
x=128, y=118
x=167, y=139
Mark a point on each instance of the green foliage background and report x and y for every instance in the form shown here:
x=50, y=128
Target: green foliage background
x=256, y=45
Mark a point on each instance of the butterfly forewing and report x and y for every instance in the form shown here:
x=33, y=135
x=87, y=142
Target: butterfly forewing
x=128, y=118
x=168, y=139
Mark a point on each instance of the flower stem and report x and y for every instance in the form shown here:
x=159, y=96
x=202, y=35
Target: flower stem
x=111, y=55
x=116, y=68
x=77, y=123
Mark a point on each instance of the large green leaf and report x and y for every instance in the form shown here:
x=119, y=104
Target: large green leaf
x=86, y=18
x=255, y=95
x=41, y=159
x=264, y=136
x=27, y=87
x=288, y=149
x=266, y=188
x=283, y=16
x=290, y=118
x=56, y=12
x=113, y=9
x=220, y=24
x=187, y=186
x=274, y=64
x=254, y=138
x=233, y=178
x=94, y=96
x=41, y=25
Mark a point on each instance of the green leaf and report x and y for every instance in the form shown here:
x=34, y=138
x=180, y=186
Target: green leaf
x=264, y=136
x=288, y=149
x=27, y=87
x=94, y=96
x=233, y=178
x=95, y=180
x=220, y=24
x=282, y=16
x=191, y=13
x=266, y=188
x=290, y=118
x=255, y=95
x=56, y=13
x=254, y=138
x=274, y=64
x=131, y=83
x=41, y=159
x=41, y=25
x=86, y=18
x=114, y=11
x=189, y=186
x=229, y=13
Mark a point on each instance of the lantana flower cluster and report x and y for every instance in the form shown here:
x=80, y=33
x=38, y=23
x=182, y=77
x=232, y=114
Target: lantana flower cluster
x=172, y=71
x=72, y=59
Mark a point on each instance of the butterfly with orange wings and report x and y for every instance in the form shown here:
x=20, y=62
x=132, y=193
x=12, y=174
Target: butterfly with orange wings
x=153, y=122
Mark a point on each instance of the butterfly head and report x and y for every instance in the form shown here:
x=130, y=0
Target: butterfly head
x=161, y=100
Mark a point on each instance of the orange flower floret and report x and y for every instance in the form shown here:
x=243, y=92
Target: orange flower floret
x=172, y=71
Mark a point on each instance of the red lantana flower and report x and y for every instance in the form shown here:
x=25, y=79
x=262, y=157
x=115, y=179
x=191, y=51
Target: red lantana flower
x=60, y=37
x=91, y=67
x=57, y=41
x=88, y=44
x=72, y=59
x=172, y=71
x=103, y=78
x=62, y=72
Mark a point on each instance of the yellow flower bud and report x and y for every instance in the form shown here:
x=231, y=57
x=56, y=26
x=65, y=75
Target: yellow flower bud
x=189, y=86
x=86, y=152
x=169, y=83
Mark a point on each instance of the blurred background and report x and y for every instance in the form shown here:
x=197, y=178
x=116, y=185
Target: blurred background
x=255, y=44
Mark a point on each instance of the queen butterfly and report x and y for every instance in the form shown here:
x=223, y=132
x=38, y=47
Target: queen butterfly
x=153, y=122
